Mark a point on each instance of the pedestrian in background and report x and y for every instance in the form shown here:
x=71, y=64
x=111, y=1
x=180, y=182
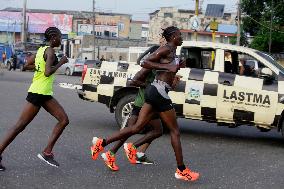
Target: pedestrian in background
x=102, y=58
x=4, y=57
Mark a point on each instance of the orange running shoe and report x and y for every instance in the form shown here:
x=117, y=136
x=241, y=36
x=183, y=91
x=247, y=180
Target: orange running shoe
x=97, y=147
x=130, y=151
x=109, y=160
x=186, y=175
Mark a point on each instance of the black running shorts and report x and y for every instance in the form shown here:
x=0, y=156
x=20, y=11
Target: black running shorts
x=158, y=102
x=136, y=110
x=38, y=99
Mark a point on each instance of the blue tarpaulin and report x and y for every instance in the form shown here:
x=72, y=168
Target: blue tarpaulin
x=7, y=49
x=226, y=28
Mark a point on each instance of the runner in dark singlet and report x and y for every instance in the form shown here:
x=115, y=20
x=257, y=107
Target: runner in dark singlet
x=156, y=101
x=154, y=129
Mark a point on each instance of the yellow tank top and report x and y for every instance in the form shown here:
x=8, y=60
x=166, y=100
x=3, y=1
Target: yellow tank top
x=41, y=84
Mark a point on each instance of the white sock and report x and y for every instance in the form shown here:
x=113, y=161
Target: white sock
x=140, y=154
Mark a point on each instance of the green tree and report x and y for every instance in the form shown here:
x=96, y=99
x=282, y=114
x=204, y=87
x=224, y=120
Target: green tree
x=243, y=40
x=256, y=22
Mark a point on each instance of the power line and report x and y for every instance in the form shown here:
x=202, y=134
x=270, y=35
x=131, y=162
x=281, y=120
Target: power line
x=280, y=31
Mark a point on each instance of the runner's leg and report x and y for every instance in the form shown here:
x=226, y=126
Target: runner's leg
x=131, y=121
x=150, y=136
x=27, y=115
x=169, y=118
x=56, y=110
x=145, y=116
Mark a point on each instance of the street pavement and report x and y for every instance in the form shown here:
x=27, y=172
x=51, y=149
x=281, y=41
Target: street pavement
x=227, y=158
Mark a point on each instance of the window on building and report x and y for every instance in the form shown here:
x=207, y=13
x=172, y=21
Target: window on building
x=198, y=57
x=106, y=33
x=145, y=29
x=120, y=26
x=167, y=14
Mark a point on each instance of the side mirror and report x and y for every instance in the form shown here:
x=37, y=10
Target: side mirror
x=266, y=74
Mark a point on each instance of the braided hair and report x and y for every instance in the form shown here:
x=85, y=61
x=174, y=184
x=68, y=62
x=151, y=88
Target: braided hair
x=168, y=32
x=50, y=32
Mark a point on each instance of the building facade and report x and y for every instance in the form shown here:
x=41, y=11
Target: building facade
x=37, y=22
x=183, y=19
x=139, y=30
x=111, y=25
x=107, y=25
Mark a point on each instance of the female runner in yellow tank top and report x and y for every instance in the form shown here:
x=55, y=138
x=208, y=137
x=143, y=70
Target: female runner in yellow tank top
x=40, y=93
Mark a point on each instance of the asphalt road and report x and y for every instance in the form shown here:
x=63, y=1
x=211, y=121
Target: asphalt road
x=227, y=158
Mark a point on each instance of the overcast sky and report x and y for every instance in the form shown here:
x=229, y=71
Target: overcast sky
x=138, y=8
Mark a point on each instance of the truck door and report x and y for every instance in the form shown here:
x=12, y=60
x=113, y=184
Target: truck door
x=196, y=94
x=246, y=98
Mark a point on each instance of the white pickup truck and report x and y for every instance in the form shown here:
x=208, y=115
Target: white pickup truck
x=212, y=88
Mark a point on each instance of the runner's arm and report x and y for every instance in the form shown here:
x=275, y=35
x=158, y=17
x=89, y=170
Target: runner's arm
x=140, y=78
x=50, y=58
x=150, y=50
x=153, y=61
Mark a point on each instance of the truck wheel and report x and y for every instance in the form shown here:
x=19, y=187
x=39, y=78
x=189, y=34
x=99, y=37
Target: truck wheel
x=124, y=108
x=67, y=71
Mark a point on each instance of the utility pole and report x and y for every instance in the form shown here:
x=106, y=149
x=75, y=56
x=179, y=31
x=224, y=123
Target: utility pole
x=196, y=7
x=24, y=25
x=94, y=27
x=239, y=24
x=271, y=24
x=14, y=35
x=8, y=24
x=196, y=14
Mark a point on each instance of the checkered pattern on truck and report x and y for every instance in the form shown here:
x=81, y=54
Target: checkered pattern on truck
x=212, y=95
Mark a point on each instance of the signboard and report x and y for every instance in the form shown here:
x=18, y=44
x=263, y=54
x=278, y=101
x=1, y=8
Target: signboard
x=195, y=23
x=88, y=29
x=37, y=22
x=214, y=26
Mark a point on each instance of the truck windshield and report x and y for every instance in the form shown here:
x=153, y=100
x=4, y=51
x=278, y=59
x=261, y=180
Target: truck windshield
x=271, y=60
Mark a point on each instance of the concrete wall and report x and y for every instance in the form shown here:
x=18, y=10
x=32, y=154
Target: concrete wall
x=135, y=31
x=206, y=38
x=103, y=46
x=87, y=42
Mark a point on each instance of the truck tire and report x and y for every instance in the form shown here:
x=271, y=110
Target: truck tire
x=124, y=108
